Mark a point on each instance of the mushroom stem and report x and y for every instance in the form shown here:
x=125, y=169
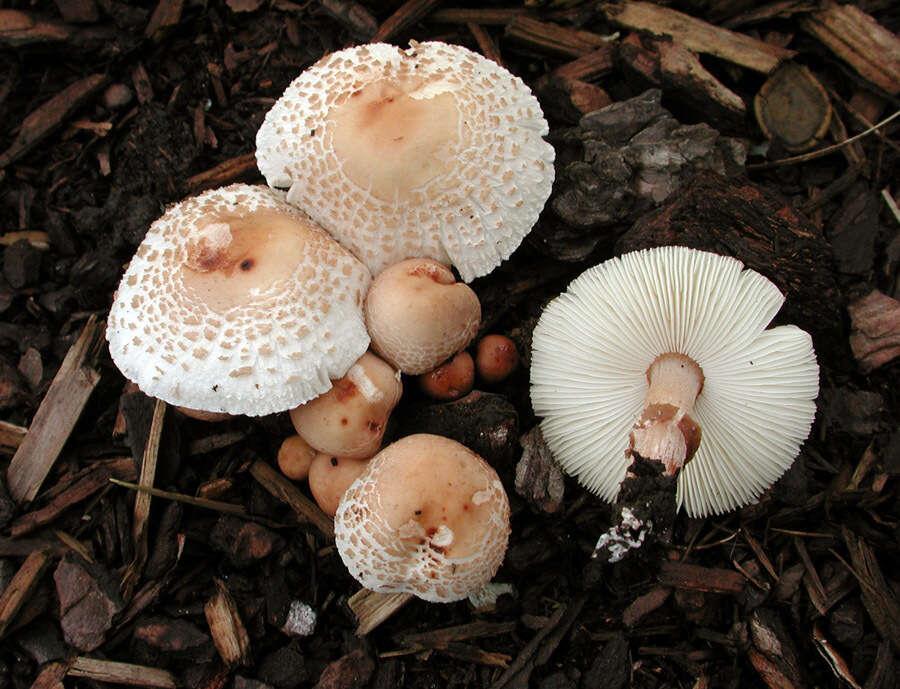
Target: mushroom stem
x=665, y=431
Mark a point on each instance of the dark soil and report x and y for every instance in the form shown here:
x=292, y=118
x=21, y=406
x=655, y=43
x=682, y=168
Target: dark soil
x=788, y=592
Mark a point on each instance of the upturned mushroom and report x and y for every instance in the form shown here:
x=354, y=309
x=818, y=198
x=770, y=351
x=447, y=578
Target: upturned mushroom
x=430, y=151
x=350, y=419
x=664, y=353
x=236, y=302
x=428, y=517
x=418, y=315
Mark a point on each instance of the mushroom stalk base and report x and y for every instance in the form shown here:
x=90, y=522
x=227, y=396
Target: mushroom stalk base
x=665, y=431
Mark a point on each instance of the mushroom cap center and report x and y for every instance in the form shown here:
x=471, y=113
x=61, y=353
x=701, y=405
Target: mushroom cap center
x=233, y=257
x=440, y=504
x=395, y=136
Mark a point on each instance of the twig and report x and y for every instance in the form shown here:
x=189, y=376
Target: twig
x=205, y=503
x=142, y=501
x=889, y=200
x=812, y=155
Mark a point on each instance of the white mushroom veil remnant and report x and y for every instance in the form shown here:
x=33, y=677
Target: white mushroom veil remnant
x=665, y=353
x=432, y=151
x=236, y=302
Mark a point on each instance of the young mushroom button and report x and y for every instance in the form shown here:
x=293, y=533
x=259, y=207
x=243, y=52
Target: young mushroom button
x=350, y=419
x=665, y=353
x=236, y=302
x=428, y=517
x=430, y=151
x=418, y=315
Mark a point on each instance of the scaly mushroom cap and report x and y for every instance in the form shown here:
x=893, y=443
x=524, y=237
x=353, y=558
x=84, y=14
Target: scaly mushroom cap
x=647, y=350
x=430, y=151
x=428, y=517
x=236, y=302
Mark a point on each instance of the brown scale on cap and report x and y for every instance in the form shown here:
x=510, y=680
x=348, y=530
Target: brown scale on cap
x=419, y=316
x=428, y=517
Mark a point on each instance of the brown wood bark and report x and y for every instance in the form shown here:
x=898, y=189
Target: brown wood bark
x=756, y=226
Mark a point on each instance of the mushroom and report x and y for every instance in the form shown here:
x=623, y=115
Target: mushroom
x=236, y=302
x=430, y=151
x=295, y=457
x=418, y=315
x=428, y=517
x=451, y=380
x=349, y=420
x=330, y=477
x=496, y=357
x=664, y=353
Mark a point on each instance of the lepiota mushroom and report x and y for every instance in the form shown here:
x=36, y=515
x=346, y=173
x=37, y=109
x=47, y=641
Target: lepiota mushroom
x=428, y=517
x=665, y=353
x=236, y=302
x=429, y=151
x=418, y=315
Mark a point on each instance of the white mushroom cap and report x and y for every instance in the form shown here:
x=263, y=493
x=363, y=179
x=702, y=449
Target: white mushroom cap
x=428, y=517
x=236, y=302
x=430, y=151
x=594, y=345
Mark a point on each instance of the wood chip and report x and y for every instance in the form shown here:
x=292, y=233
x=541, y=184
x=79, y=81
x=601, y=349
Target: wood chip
x=228, y=631
x=11, y=436
x=287, y=492
x=18, y=28
x=79, y=491
x=122, y=673
x=356, y=18
x=371, y=609
x=553, y=38
x=51, y=675
x=23, y=583
x=642, y=606
x=229, y=171
x=167, y=13
x=875, y=320
x=698, y=35
x=592, y=65
x=56, y=416
x=406, y=15
x=859, y=40
x=464, y=15
x=879, y=600
x=51, y=115
x=696, y=578
x=486, y=43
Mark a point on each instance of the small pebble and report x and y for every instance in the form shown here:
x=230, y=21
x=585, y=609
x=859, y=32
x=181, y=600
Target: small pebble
x=301, y=620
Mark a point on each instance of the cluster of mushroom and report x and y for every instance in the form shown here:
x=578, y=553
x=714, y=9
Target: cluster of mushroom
x=254, y=300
